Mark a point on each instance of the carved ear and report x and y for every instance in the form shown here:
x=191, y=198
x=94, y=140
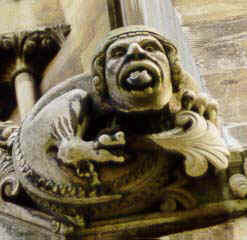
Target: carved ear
x=171, y=53
x=98, y=69
x=99, y=85
x=98, y=66
x=175, y=66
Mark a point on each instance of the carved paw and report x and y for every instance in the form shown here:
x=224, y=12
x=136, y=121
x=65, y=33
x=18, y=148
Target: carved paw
x=202, y=104
x=67, y=143
x=72, y=150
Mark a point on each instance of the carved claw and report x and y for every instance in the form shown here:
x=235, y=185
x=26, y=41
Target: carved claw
x=111, y=140
x=103, y=155
x=75, y=150
x=202, y=104
x=107, y=142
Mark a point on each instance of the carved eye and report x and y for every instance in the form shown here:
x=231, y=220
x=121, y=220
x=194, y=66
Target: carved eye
x=151, y=47
x=118, y=52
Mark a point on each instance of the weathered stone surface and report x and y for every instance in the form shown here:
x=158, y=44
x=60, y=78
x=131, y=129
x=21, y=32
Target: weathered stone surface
x=29, y=14
x=204, y=11
x=221, y=57
x=17, y=223
x=216, y=31
x=15, y=229
x=157, y=225
x=229, y=88
x=239, y=132
x=212, y=57
x=230, y=230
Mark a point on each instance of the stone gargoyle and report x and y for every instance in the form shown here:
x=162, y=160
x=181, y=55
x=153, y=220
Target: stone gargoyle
x=99, y=143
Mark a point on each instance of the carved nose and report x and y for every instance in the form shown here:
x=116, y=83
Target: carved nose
x=135, y=51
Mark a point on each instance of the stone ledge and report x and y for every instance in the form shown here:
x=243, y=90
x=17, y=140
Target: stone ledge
x=21, y=223
x=156, y=225
x=37, y=224
x=230, y=230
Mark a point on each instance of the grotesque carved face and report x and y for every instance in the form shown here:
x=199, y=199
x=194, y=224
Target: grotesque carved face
x=137, y=74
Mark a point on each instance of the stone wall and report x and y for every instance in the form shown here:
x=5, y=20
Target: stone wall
x=217, y=34
x=29, y=14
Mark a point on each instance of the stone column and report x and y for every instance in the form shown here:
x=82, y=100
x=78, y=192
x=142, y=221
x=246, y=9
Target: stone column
x=25, y=92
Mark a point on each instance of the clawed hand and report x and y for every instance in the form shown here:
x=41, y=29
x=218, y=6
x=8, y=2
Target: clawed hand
x=72, y=149
x=202, y=104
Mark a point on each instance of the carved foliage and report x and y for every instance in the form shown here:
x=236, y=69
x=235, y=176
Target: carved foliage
x=198, y=140
x=9, y=183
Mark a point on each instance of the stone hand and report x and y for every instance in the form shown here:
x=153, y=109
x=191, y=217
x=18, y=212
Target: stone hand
x=202, y=104
x=72, y=149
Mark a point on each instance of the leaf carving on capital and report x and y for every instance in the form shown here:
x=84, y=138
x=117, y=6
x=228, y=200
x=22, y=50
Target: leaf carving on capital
x=8, y=43
x=26, y=51
x=41, y=44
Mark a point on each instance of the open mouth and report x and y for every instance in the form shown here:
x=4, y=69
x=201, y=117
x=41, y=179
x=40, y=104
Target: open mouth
x=139, y=76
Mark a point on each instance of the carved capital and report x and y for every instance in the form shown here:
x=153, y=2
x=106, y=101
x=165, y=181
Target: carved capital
x=30, y=52
x=8, y=44
x=38, y=49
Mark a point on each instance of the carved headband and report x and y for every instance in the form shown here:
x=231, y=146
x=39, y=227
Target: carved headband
x=130, y=31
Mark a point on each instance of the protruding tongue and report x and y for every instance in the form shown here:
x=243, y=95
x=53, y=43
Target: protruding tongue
x=139, y=79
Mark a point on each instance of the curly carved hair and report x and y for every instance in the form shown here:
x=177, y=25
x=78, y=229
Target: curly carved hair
x=180, y=78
